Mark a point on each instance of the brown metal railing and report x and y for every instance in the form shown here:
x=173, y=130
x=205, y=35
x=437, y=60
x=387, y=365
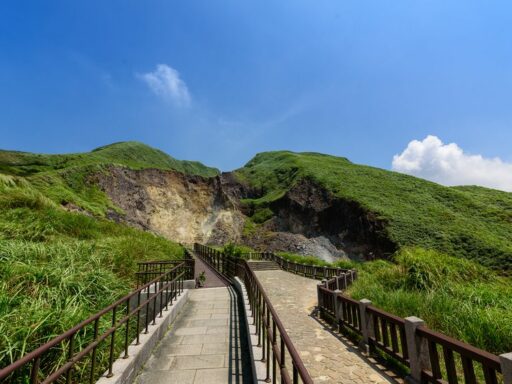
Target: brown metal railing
x=282, y=361
x=149, y=270
x=98, y=335
x=450, y=371
x=431, y=356
x=312, y=271
x=388, y=334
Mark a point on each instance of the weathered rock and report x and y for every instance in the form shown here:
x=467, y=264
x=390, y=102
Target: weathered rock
x=307, y=220
x=180, y=207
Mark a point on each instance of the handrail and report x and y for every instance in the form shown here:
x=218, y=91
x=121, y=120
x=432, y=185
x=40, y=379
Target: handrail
x=267, y=322
x=307, y=270
x=388, y=333
x=169, y=283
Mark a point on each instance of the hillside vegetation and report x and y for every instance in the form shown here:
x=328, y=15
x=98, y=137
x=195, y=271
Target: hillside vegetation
x=58, y=267
x=130, y=154
x=469, y=222
x=66, y=179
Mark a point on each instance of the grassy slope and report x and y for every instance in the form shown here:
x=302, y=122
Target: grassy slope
x=130, y=154
x=64, y=178
x=57, y=267
x=470, y=222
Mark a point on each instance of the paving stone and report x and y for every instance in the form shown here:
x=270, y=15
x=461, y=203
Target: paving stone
x=166, y=377
x=181, y=349
x=209, y=322
x=204, y=339
x=199, y=348
x=187, y=331
x=220, y=316
x=198, y=362
x=213, y=376
x=217, y=331
x=328, y=359
x=158, y=363
x=213, y=349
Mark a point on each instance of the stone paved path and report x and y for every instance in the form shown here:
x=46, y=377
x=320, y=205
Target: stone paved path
x=327, y=358
x=204, y=345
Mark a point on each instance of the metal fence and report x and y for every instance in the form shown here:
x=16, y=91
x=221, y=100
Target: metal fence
x=432, y=357
x=282, y=361
x=91, y=347
x=312, y=271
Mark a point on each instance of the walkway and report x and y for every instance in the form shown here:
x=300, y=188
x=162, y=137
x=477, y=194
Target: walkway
x=204, y=345
x=328, y=358
x=212, y=278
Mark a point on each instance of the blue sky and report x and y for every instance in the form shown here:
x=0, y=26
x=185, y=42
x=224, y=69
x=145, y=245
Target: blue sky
x=360, y=79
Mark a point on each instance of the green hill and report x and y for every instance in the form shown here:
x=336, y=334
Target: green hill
x=66, y=178
x=470, y=222
x=58, y=267
x=129, y=154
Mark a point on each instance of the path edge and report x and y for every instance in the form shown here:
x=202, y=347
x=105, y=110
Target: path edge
x=258, y=367
x=126, y=370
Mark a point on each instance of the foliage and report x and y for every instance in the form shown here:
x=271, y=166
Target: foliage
x=202, y=277
x=128, y=154
x=235, y=250
x=67, y=179
x=57, y=267
x=261, y=215
x=470, y=222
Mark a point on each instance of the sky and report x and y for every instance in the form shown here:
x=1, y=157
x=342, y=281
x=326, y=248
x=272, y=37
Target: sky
x=421, y=87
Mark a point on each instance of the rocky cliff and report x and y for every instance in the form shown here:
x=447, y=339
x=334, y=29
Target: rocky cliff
x=189, y=208
x=184, y=208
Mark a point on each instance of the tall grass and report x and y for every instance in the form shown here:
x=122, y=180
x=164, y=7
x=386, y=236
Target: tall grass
x=57, y=268
x=454, y=296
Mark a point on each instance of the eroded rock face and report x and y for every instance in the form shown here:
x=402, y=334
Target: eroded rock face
x=308, y=220
x=183, y=208
x=324, y=225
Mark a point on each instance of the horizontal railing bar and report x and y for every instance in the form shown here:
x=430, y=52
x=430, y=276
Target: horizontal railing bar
x=78, y=356
x=468, y=350
x=58, y=339
x=291, y=349
x=388, y=316
x=255, y=289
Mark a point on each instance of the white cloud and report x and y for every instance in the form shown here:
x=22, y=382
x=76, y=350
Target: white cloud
x=165, y=81
x=448, y=164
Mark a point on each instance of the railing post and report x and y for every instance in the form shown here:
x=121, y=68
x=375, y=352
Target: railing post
x=366, y=324
x=506, y=367
x=337, y=306
x=319, y=297
x=418, y=349
x=343, y=281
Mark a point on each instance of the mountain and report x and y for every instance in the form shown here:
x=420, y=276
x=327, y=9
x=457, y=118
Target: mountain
x=373, y=210
x=75, y=226
x=130, y=154
x=306, y=203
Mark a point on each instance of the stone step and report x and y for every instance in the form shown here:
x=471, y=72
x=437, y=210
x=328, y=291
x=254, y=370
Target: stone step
x=263, y=265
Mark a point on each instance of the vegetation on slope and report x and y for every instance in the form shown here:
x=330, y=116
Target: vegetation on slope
x=130, y=154
x=57, y=267
x=65, y=179
x=470, y=222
